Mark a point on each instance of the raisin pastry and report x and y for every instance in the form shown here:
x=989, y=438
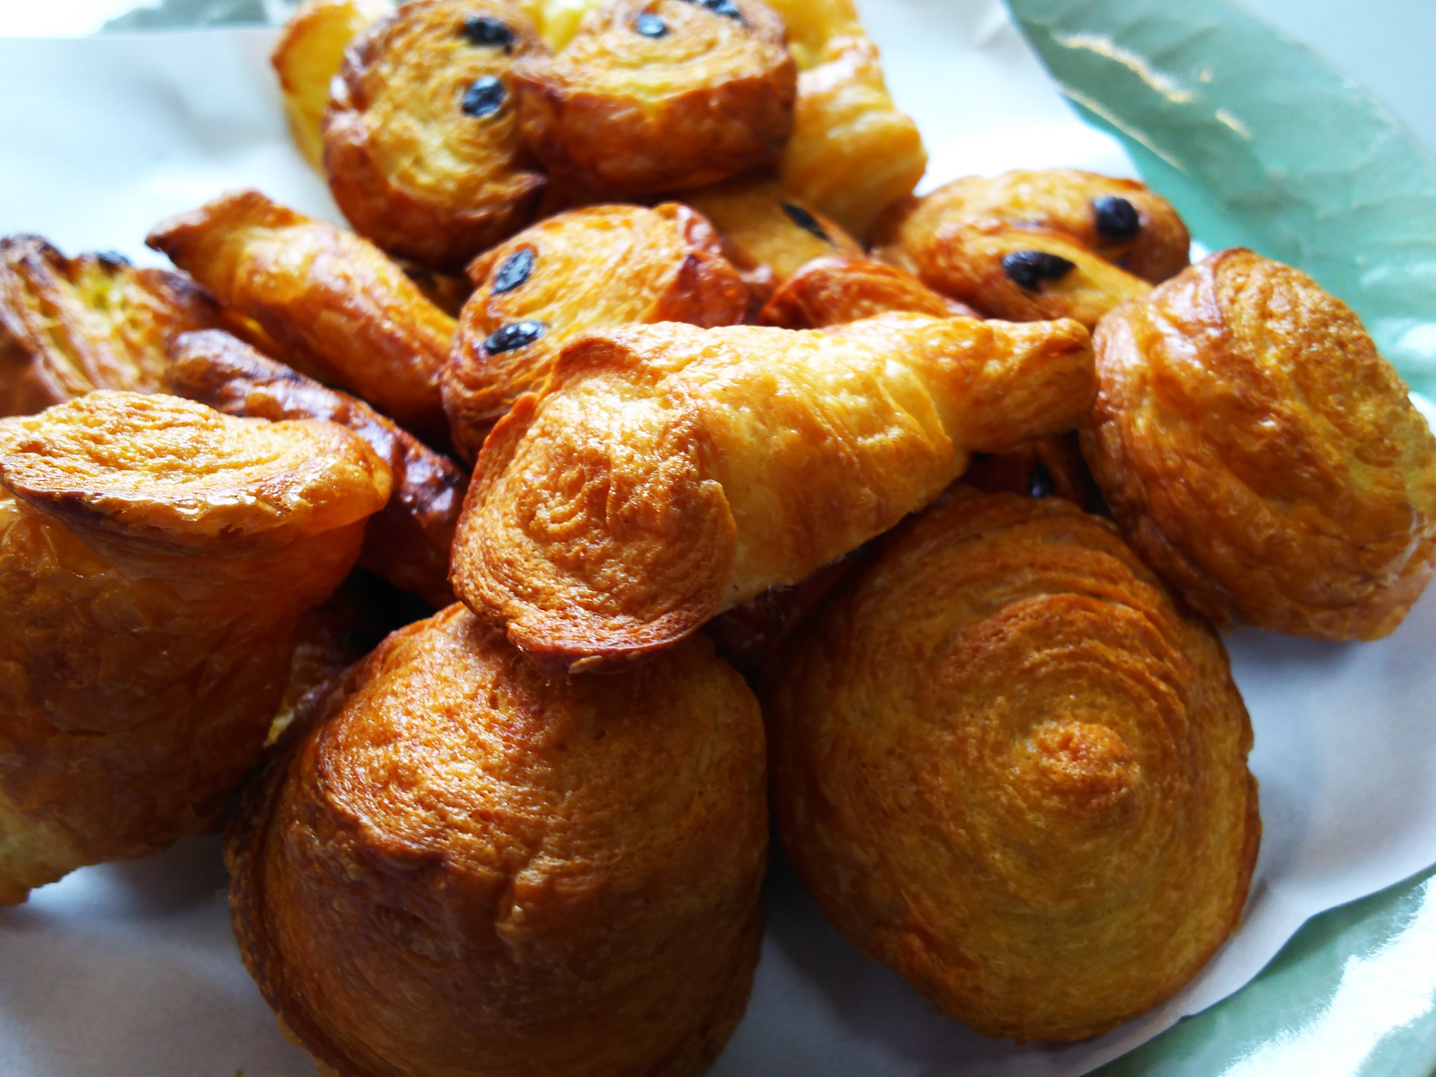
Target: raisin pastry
x=837, y=289
x=1009, y=765
x=462, y=867
x=1261, y=455
x=154, y=556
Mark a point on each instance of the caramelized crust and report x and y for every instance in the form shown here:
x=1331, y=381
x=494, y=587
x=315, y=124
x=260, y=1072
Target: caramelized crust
x=466, y=868
x=1043, y=467
x=700, y=93
x=836, y=290
x=670, y=472
x=72, y=325
x=326, y=295
x=585, y=269
x=1007, y=764
x=308, y=55
x=154, y=556
x=407, y=542
x=767, y=233
x=1261, y=455
x=421, y=138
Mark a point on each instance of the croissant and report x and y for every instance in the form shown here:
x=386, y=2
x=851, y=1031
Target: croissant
x=408, y=541
x=585, y=269
x=1009, y=765
x=671, y=472
x=464, y=868
x=331, y=298
x=1261, y=455
x=154, y=555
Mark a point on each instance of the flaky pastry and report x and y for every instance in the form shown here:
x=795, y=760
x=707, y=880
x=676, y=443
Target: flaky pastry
x=1042, y=467
x=1009, y=765
x=585, y=269
x=838, y=289
x=465, y=868
x=654, y=95
x=1261, y=455
x=408, y=541
x=327, y=295
x=670, y=472
x=154, y=555
x=421, y=137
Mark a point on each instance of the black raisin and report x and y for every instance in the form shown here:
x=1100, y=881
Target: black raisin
x=726, y=8
x=806, y=221
x=484, y=97
x=487, y=30
x=1039, y=481
x=514, y=271
x=1028, y=269
x=1116, y=217
x=650, y=25
x=114, y=259
x=507, y=338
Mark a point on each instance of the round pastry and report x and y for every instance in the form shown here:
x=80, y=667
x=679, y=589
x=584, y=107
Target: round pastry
x=1007, y=764
x=590, y=268
x=655, y=95
x=1261, y=455
x=154, y=556
x=1034, y=245
x=421, y=137
x=466, y=868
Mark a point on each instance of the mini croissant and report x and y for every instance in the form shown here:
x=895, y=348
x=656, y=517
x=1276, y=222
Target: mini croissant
x=670, y=472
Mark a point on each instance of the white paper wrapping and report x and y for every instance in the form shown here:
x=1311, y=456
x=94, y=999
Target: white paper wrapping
x=126, y=970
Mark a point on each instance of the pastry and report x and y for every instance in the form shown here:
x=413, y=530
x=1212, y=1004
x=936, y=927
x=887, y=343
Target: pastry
x=839, y=289
x=1261, y=455
x=1007, y=764
x=1042, y=467
x=670, y=472
x=462, y=867
x=154, y=555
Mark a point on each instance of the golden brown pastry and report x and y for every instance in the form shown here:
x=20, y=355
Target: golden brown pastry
x=408, y=541
x=767, y=233
x=308, y=55
x=655, y=95
x=838, y=289
x=1042, y=467
x=466, y=868
x=1033, y=245
x=72, y=325
x=585, y=269
x=421, y=137
x=1261, y=455
x=670, y=472
x=154, y=555
x=1009, y=765
x=328, y=296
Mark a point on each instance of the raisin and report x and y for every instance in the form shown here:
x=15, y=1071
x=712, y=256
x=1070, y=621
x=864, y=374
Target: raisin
x=1028, y=269
x=507, y=338
x=1116, y=217
x=650, y=25
x=487, y=30
x=806, y=221
x=726, y=8
x=514, y=271
x=1039, y=481
x=484, y=97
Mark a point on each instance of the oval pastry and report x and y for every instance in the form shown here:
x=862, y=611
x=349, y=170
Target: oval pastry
x=421, y=137
x=589, y=268
x=1261, y=455
x=1008, y=765
x=154, y=556
x=465, y=868
x=655, y=95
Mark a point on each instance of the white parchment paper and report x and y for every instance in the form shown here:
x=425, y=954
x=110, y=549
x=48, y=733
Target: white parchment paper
x=131, y=969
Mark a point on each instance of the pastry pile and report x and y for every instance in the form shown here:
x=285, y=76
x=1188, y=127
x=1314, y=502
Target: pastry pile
x=648, y=454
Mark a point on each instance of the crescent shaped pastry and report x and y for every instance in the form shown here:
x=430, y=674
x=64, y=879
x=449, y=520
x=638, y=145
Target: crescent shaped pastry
x=1007, y=764
x=466, y=868
x=656, y=95
x=1261, y=455
x=332, y=299
x=154, y=555
x=585, y=269
x=1057, y=243
x=408, y=541
x=670, y=472
x=421, y=136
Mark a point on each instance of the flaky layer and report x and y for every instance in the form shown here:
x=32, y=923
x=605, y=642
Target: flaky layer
x=834, y=290
x=467, y=868
x=1260, y=453
x=1009, y=765
x=670, y=472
